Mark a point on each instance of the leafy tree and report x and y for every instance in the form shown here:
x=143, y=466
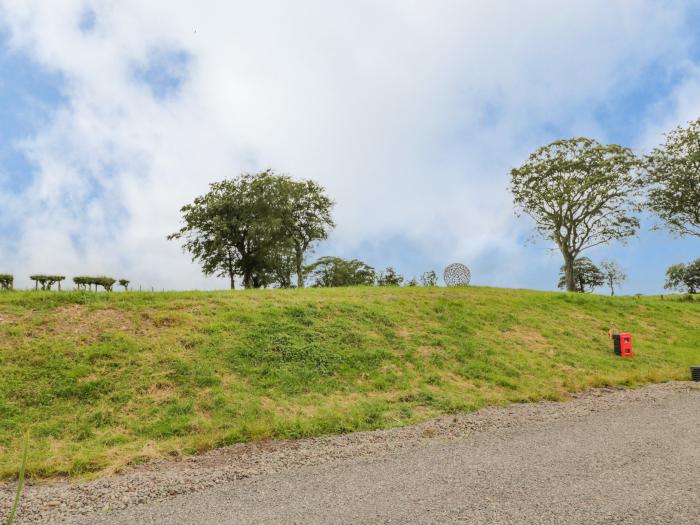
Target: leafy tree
x=429, y=278
x=580, y=194
x=46, y=281
x=684, y=277
x=124, y=283
x=673, y=176
x=252, y=225
x=6, y=281
x=335, y=271
x=389, y=277
x=307, y=219
x=613, y=274
x=587, y=276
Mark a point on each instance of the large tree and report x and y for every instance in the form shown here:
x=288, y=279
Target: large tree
x=255, y=226
x=587, y=276
x=580, y=194
x=673, y=176
x=308, y=219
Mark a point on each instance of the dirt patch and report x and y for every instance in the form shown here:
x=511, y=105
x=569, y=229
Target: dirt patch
x=77, y=320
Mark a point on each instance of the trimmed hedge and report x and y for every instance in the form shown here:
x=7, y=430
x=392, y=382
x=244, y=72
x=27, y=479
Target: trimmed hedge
x=46, y=281
x=6, y=281
x=84, y=281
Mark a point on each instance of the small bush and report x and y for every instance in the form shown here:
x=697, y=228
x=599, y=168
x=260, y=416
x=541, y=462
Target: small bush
x=6, y=281
x=47, y=281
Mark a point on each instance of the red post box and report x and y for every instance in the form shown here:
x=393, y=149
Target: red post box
x=622, y=343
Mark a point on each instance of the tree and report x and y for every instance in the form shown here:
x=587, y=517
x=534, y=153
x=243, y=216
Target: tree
x=389, y=277
x=684, y=278
x=580, y=194
x=429, y=278
x=587, y=276
x=335, y=271
x=125, y=284
x=308, y=219
x=412, y=282
x=613, y=274
x=673, y=176
x=251, y=225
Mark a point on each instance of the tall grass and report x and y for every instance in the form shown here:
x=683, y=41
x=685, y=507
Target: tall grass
x=20, y=480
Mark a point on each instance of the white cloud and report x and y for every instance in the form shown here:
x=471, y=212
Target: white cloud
x=411, y=113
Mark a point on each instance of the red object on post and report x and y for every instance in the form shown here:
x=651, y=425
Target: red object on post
x=623, y=344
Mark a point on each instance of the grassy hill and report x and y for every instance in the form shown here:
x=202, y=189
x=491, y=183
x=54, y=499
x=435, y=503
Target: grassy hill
x=104, y=379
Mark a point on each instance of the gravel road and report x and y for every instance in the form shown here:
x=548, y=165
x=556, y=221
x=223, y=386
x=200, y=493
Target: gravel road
x=606, y=456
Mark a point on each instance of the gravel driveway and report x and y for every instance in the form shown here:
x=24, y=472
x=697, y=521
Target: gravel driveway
x=607, y=456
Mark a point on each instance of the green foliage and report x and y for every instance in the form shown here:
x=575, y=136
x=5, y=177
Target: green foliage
x=176, y=373
x=412, y=282
x=613, y=274
x=580, y=193
x=6, y=281
x=684, y=277
x=83, y=282
x=334, y=271
x=429, y=279
x=257, y=226
x=587, y=276
x=47, y=281
x=389, y=277
x=124, y=283
x=673, y=176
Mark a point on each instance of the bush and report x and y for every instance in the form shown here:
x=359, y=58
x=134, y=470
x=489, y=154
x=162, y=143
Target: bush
x=389, y=277
x=83, y=282
x=46, y=281
x=429, y=278
x=6, y=281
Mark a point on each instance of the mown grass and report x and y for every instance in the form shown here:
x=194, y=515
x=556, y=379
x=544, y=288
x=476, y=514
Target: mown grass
x=104, y=380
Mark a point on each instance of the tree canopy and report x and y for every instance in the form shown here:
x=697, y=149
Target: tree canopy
x=580, y=193
x=587, y=276
x=335, y=271
x=684, y=277
x=673, y=177
x=257, y=226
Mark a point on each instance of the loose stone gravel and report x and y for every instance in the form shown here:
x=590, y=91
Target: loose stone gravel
x=65, y=502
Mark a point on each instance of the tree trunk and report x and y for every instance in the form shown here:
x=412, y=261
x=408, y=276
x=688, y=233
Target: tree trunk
x=233, y=281
x=247, y=280
x=569, y=272
x=300, y=274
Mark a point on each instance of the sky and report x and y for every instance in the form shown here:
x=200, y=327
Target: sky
x=114, y=114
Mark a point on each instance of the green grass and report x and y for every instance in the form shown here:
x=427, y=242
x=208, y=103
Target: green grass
x=104, y=380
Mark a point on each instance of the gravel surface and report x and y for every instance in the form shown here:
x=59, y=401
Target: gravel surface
x=607, y=456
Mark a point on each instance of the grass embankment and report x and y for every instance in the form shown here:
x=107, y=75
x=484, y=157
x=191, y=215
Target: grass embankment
x=103, y=380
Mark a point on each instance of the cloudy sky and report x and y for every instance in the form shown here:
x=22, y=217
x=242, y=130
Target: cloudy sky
x=113, y=114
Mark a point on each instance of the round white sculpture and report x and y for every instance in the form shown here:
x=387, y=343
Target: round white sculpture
x=457, y=274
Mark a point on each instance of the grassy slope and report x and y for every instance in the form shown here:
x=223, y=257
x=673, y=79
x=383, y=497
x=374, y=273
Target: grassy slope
x=107, y=379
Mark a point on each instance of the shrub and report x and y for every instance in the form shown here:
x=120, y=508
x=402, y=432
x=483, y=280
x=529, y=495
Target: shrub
x=389, y=277
x=46, y=281
x=429, y=278
x=6, y=281
x=84, y=281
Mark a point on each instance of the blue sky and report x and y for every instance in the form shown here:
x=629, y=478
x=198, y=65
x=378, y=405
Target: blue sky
x=114, y=115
